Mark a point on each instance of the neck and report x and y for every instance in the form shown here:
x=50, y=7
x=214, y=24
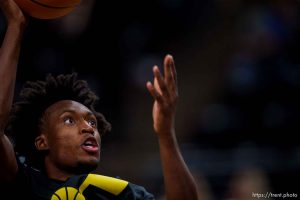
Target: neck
x=62, y=173
x=53, y=172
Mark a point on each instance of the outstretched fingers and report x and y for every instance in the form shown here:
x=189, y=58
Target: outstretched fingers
x=159, y=82
x=164, y=86
x=170, y=73
x=154, y=93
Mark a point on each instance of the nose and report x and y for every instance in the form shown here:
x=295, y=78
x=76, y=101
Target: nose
x=87, y=128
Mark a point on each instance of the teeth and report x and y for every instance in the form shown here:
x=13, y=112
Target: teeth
x=89, y=143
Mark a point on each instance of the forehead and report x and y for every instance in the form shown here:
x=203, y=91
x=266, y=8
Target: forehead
x=67, y=105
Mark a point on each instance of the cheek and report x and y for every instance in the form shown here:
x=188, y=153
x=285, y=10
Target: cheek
x=64, y=146
x=98, y=138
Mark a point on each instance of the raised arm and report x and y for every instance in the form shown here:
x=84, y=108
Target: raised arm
x=9, y=55
x=179, y=183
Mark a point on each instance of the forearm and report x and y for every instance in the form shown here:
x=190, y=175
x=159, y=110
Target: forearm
x=179, y=183
x=9, y=56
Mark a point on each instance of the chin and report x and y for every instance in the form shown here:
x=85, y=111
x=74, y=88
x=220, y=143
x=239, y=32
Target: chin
x=86, y=164
x=85, y=168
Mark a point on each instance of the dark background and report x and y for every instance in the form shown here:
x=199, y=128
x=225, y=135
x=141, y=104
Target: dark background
x=239, y=78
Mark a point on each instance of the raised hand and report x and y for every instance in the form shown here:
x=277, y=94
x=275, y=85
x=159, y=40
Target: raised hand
x=165, y=94
x=178, y=180
x=12, y=12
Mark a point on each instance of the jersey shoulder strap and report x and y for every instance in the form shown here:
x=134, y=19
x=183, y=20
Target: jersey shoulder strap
x=109, y=184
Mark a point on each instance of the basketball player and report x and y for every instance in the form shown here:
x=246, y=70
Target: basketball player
x=57, y=130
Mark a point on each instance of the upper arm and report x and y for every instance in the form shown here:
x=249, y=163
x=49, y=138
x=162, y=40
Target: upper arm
x=8, y=161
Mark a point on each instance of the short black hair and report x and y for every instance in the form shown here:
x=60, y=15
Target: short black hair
x=25, y=118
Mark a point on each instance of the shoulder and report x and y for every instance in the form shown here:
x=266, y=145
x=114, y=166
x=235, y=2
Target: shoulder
x=109, y=184
x=139, y=192
x=21, y=185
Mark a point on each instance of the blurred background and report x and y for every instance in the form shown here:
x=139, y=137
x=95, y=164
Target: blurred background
x=238, y=74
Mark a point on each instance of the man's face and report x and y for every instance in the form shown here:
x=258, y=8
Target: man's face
x=71, y=137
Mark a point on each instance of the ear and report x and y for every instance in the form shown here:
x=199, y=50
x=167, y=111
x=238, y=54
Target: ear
x=41, y=142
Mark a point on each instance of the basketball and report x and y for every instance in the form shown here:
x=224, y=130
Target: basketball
x=47, y=9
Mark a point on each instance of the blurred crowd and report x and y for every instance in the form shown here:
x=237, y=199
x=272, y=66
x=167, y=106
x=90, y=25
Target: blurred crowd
x=239, y=78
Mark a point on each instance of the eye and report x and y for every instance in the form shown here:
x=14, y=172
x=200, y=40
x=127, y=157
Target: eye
x=92, y=122
x=69, y=120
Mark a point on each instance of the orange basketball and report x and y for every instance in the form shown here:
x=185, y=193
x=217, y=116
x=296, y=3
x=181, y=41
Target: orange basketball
x=47, y=9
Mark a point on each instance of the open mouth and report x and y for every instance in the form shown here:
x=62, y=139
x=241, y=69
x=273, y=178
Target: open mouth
x=90, y=145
